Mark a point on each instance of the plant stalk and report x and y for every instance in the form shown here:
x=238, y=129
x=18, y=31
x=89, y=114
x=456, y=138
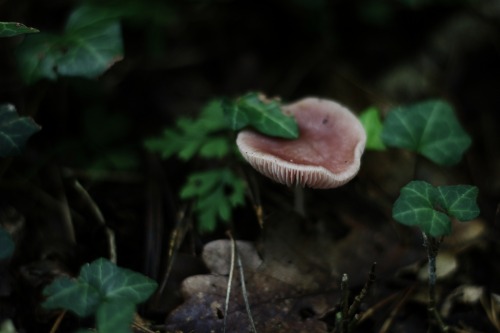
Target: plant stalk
x=432, y=246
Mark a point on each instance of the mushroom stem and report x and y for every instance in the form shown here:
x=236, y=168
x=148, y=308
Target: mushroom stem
x=299, y=204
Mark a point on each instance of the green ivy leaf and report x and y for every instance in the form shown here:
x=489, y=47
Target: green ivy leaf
x=98, y=281
x=429, y=208
x=9, y=29
x=264, y=116
x=115, y=316
x=460, y=201
x=70, y=294
x=114, y=282
x=370, y=119
x=6, y=244
x=90, y=44
x=429, y=128
x=190, y=137
x=415, y=207
x=216, y=193
x=14, y=130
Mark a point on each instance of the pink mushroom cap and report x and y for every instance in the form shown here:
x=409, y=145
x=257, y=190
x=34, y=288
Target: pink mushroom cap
x=327, y=153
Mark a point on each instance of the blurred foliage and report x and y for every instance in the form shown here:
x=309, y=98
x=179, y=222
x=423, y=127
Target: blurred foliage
x=14, y=130
x=370, y=119
x=9, y=29
x=216, y=193
x=6, y=244
x=90, y=44
x=429, y=128
x=191, y=137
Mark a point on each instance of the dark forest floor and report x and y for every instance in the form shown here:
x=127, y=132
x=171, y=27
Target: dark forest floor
x=362, y=54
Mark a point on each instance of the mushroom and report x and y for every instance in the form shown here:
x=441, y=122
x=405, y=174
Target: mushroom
x=326, y=155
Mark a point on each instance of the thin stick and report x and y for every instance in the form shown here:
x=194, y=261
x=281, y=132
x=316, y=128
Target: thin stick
x=176, y=237
x=58, y=321
x=388, y=322
x=64, y=209
x=230, y=278
x=244, y=292
x=96, y=211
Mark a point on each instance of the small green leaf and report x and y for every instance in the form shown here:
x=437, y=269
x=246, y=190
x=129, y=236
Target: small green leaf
x=215, y=147
x=415, y=207
x=115, y=316
x=14, y=130
x=90, y=44
x=191, y=137
x=235, y=117
x=459, y=201
x=264, y=116
x=98, y=282
x=429, y=128
x=6, y=244
x=216, y=193
x=114, y=282
x=370, y=119
x=70, y=294
x=9, y=29
x=429, y=208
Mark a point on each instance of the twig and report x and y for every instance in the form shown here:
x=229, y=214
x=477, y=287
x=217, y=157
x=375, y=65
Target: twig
x=244, y=292
x=388, y=322
x=96, y=211
x=64, y=209
x=230, y=279
x=58, y=321
x=235, y=254
x=176, y=237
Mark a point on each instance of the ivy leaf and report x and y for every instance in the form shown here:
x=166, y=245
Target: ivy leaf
x=216, y=193
x=459, y=201
x=70, y=294
x=98, y=282
x=114, y=282
x=265, y=116
x=370, y=119
x=9, y=29
x=115, y=316
x=190, y=137
x=429, y=208
x=90, y=44
x=6, y=244
x=429, y=128
x=14, y=130
x=415, y=207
